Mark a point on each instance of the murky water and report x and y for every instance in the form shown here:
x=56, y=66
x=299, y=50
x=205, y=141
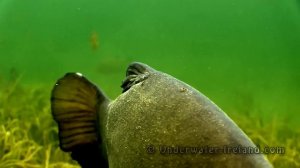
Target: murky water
x=243, y=55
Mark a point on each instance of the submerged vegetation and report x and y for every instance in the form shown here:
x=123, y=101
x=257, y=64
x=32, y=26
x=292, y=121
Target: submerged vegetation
x=276, y=136
x=28, y=135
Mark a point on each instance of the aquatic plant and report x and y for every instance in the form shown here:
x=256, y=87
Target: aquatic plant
x=275, y=132
x=28, y=135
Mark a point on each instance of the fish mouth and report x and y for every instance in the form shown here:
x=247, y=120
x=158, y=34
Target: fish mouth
x=135, y=73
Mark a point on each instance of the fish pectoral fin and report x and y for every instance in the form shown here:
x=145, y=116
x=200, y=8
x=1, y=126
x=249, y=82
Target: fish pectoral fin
x=74, y=105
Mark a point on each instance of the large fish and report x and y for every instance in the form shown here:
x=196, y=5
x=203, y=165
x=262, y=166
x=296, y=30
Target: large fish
x=158, y=121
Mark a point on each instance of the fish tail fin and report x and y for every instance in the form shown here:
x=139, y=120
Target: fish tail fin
x=74, y=105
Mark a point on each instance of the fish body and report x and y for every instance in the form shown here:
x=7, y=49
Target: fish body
x=158, y=121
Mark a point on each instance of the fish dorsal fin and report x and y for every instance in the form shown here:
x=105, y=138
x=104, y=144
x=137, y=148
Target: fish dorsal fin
x=74, y=105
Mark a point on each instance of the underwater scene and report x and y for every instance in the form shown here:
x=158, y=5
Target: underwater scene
x=242, y=55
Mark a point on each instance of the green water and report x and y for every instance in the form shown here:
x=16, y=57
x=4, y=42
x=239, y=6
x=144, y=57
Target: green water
x=244, y=55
